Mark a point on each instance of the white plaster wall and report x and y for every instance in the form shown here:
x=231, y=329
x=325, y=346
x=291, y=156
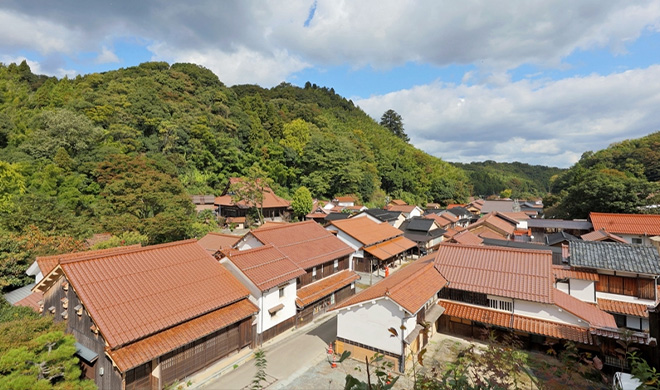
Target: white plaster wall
x=264, y=319
x=248, y=242
x=629, y=237
x=416, y=212
x=584, y=290
x=271, y=298
x=545, y=312
x=369, y=324
x=562, y=286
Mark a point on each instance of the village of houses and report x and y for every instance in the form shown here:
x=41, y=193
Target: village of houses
x=147, y=317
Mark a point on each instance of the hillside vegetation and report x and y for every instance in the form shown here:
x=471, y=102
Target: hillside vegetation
x=522, y=181
x=123, y=150
x=624, y=178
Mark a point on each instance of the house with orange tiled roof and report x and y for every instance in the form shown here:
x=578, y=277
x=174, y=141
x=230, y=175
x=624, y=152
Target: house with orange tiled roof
x=397, y=202
x=327, y=276
x=514, y=289
x=271, y=278
x=273, y=207
x=213, y=242
x=375, y=245
x=634, y=228
x=494, y=225
x=602, y=235
x=148, y=317
x=406, y=301
x=408, y=211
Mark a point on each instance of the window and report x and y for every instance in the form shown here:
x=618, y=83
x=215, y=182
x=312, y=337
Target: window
x=637, y=241
x=314, y=273
x=500, y=304
x=336, y=263
x=281, y=292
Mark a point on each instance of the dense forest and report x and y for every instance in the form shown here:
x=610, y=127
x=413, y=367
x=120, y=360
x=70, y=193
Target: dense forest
x=511, y=180
x=123, y=151
x=624, y=178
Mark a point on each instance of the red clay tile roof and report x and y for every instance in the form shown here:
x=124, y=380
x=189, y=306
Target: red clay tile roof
x=451, y=232
x=486, y=232
x=31, y=301
x=347, y=198
x=367, y=231
x=562, y=272
x=602, y=235
x=410, y=287
x=265, y=266
x=48, y=263
x=324, y=287
x=442, y=222
x=588, y=312
x=213, y=241
x=467, y=238
x=629, y=308
x=517, y=322
x=398, y=202
x=270, y=199
x=493, y=220
x=390, y=248
x=161, y=343
x=506, y=272
x=515, y=216
x=449, y=217
x=402, y=208
x=139, y=292
x=641, y=224
x=307, y=243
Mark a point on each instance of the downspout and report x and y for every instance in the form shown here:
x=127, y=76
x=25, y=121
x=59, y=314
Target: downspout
x=402, y=362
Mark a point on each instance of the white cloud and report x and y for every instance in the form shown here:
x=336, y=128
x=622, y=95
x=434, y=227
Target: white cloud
x=28, y=32
x=36, y=67
x=106, y=56
x=537, y=122
x=242, y=66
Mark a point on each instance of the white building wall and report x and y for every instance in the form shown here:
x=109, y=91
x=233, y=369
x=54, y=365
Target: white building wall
x=416, y=212
x=368, y=324
x=248, y=242
x=584, y=290
x=350, y=241
x=270, y=299
x=629, y=238
x=562, y=286
x=545, y=312
x=264, y=319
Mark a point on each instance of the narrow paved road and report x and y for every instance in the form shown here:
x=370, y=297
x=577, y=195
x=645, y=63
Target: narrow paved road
x=286, y=359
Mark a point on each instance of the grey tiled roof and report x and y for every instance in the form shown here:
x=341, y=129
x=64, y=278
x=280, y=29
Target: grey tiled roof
x=615, y=256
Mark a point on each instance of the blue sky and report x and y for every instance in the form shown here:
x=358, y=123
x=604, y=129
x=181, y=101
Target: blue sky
x=536, y=81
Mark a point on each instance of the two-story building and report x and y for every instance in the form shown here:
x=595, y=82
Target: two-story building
x=148, y=317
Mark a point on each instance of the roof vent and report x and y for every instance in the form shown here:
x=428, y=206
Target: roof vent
x=65, y=314
x=52, y=309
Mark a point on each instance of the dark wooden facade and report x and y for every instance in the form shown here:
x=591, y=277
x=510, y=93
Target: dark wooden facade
x=322, y=271
x=314, y=309
x=79, y=323
x=62, y=303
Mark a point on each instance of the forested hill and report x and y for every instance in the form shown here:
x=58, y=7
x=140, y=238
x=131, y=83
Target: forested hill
x=514, y=180
x=122, y=150
x=624, y=178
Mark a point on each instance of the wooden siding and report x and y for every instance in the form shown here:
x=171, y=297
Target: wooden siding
x=322, y=271
x=139, y=378
x=186, y=360
x=277, y=329
x=634, y=287
x=80, y=327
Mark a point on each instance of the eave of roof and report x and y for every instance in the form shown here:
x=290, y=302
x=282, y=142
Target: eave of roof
x=147, y=349
x=324, y=287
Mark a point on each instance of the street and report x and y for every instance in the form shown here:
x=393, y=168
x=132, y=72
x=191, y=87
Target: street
x=286, y=359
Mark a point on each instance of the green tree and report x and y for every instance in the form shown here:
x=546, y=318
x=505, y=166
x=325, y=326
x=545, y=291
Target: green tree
x=251, y=190
x=123, y=239
x=394, y=123
x=138, y=194
x=11, y=183
x=36, y=354
x=302, y=202
x=296, y=135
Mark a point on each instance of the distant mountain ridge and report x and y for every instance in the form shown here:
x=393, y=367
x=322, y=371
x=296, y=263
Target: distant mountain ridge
x=523, y=180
